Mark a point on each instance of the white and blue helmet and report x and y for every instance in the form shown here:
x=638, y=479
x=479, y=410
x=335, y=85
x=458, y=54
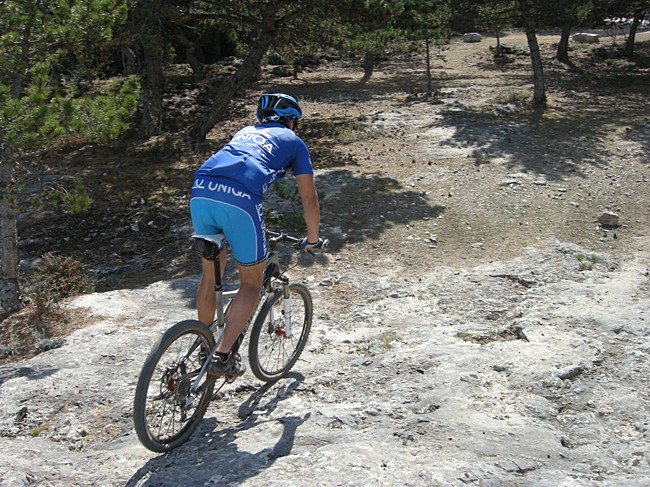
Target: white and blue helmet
x=278, y=107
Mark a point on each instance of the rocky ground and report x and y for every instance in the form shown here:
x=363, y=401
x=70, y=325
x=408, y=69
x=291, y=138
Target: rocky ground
x=475, y=324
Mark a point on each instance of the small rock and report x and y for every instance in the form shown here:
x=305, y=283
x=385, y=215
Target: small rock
x=608, y=218
x=20, y=415
x=570, y=372
x=472, y=37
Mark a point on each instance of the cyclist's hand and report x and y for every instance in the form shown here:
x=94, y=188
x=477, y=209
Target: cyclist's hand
x=308, y=246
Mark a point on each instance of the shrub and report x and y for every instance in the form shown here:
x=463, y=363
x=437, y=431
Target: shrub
x=75, y=201
x=59, y=278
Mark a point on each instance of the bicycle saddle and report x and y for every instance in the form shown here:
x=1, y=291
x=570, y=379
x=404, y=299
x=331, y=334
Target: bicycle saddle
x=208, y=246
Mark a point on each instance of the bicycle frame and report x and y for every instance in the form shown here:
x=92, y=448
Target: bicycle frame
x=271, y=272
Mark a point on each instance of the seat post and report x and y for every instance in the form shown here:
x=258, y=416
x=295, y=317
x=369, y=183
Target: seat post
x=218, y=289
x=217, y=273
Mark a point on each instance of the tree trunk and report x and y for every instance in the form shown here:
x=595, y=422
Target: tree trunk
x=152, y=89
x=21, y=72
x=129, y=61
x=639, y=13
x=368, y=66
x=539, y=92
x=563, y=46
x=242, y=77
x=429, y=84
x=148, y=20
x=190, y=56
x=9, y=290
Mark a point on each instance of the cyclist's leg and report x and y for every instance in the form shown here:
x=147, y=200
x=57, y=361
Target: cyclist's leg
x=250, y=286
x=240, y=217
x=244, y=229
x=205, y=223
x=206, y=301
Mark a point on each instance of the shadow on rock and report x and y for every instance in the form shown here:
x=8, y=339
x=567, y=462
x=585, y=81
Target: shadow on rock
x=215, y=456
x=368, y=205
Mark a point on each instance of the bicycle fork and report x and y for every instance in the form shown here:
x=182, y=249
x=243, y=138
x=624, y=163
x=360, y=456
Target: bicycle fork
x=286, y=308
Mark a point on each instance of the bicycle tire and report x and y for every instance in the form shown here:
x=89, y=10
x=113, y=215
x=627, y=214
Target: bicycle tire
x=165, y=414
x=271, y=353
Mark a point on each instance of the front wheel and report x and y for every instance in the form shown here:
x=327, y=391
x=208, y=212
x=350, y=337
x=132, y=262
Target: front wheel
x=169, y=403
x=276, y=342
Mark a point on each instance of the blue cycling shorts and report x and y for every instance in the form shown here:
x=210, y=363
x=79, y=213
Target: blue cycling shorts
x=223, y=206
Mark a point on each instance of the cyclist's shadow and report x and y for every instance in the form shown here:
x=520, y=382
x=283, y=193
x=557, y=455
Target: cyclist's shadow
x=212, y=455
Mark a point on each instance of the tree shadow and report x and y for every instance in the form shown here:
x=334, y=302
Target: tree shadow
x=558, y=141
x=213, y=456
x=555, y=142
x=8, y=372
x=364, y=206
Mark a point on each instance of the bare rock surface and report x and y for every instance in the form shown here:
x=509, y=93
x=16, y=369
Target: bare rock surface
x=522, y=372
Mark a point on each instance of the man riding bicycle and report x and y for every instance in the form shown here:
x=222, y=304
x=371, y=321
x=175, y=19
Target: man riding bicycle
x=227, y=197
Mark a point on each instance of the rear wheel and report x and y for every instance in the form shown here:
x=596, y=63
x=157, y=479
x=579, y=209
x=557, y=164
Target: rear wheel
x=275, y=343
x=166, y=408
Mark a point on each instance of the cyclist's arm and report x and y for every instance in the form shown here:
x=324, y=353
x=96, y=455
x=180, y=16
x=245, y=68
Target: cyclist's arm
x=311, y=209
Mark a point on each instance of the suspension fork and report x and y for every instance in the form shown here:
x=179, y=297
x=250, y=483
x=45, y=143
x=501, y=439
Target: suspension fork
x=286, y=307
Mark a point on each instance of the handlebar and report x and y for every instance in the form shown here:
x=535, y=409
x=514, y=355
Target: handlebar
x=278, y=237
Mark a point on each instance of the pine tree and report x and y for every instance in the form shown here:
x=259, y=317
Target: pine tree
x=48, y=53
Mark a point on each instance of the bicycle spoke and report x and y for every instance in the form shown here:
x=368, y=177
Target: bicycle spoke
x=271, y=352
x=166, y=409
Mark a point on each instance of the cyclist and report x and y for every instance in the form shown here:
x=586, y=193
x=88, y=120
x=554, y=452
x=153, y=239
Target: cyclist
x=227, y=197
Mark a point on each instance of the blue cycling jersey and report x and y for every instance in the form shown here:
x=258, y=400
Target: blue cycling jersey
x=257, y=156
x=228, y=188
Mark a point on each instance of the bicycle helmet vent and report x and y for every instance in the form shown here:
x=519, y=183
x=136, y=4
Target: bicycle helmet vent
x=278, y=107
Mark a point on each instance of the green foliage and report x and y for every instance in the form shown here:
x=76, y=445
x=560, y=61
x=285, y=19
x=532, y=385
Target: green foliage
x=42, y=45
x=72, y=201
x=601, y=9
x=44, y=115
x=587, y=262
x=63, y=33
x=425, y=19
x=560, y=13
x=495, y=17
x=373, y=25
x=103, y=117
x=59, y=278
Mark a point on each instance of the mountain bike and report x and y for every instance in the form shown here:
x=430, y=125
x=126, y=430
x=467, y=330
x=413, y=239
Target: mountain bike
x=174, y=388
